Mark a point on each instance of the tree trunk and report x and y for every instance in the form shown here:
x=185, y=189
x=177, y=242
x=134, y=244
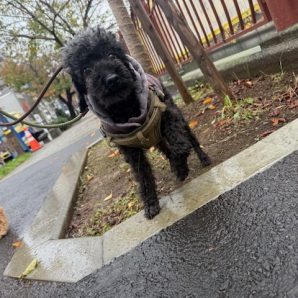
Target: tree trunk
x=207, y=67
x=161, y=49
x=131, y=37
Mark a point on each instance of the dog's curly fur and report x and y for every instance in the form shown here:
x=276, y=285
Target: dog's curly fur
x=90, y=58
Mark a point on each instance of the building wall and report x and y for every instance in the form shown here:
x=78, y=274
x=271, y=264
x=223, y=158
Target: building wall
x=9, y=103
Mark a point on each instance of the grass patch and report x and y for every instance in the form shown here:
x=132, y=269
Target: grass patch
x=103, y=219
x=12, y=164
x=243, y=109
x=198, y=91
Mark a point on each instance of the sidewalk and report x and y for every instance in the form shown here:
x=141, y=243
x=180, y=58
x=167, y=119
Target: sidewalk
x=242, y=243
x=88, y=126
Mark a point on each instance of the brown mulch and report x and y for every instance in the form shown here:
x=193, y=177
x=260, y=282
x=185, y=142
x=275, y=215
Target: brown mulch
x=108, y=193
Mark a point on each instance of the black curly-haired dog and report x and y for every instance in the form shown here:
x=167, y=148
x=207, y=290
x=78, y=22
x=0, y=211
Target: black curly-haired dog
x=114, y=86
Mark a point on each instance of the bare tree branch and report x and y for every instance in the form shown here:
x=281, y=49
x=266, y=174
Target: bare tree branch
x=85, y=17
x=31, y=37
x=58, y=14
x=36, y=19
x=62, y=98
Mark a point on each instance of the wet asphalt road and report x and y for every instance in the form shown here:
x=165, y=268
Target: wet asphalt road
x=244, y=244
x=22, y=195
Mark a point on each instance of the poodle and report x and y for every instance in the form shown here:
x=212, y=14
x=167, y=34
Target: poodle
x=115, y=87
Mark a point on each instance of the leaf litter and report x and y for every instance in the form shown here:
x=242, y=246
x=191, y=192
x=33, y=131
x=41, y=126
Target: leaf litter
x=111, y=196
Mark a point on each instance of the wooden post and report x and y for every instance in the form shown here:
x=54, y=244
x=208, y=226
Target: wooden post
x=207, y=67
x=161, y=49
x=284, y=13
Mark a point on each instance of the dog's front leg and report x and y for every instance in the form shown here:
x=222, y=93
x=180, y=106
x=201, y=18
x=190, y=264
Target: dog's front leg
x=144, y=176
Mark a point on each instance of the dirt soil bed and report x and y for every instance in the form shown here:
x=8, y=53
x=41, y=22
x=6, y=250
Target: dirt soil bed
x=108, y=194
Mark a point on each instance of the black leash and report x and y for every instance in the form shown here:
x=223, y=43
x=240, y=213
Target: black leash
x=39, y=98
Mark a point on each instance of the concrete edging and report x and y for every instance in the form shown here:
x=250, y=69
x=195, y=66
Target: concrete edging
x=69, y=260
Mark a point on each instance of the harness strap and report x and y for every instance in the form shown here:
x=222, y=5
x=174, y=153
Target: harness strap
x=141, y=138
x=149, y=133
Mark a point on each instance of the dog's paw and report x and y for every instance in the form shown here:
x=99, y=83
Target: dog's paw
x=182, y=174
x=206, y=161
x=152, y=210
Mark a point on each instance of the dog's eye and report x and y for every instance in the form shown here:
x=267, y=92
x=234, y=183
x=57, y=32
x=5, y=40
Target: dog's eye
x=111, y=56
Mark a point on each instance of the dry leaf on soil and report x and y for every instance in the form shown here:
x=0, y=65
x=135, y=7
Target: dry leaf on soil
x=31, y=267
x=193, y=123
x=130, y=204
x=152, y=149
x=90, y=177
x=276, y=121
x=266, y=133
x=17, y=244
x=248, y=84
x=294, y=104
x=114, y=154
x=211, y=107
x=108, y=197
x=207, y=101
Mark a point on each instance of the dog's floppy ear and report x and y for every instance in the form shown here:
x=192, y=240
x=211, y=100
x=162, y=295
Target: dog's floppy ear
x=81, y=94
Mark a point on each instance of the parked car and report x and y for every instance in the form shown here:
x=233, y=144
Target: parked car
x=6, y=156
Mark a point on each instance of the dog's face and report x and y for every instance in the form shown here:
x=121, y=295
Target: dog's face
x=109, y=80
x=99, y=68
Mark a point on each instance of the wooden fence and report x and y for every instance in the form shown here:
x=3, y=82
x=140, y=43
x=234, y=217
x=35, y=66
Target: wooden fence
x=214, y=22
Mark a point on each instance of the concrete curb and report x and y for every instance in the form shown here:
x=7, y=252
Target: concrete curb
x=268, y=57
x=69, y=260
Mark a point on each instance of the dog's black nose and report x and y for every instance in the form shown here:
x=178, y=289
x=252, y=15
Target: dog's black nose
x=112, y=80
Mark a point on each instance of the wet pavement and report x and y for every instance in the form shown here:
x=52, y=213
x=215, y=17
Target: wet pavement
x=23, y=192
x=244, y=244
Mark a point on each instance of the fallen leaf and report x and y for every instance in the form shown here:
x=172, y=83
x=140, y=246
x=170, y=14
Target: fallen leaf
x=276, y=121
x=31, y=267
x=207, y=101
x=130, y=204
x=211, y=107
x=17, y=244
x=108, y=197
x=248, y=84
x=114, y=154
x=152, y=149
x=294, y=104
x=193, y=123
x=266, y=133
x=90, y=177
x=223, y=122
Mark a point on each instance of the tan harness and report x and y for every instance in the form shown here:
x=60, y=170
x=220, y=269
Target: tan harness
x=149, y=133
